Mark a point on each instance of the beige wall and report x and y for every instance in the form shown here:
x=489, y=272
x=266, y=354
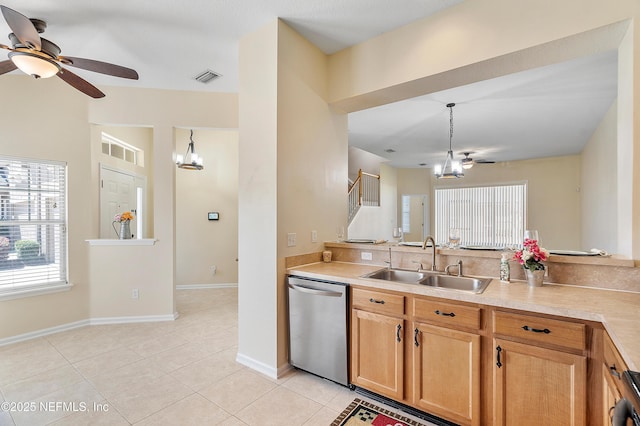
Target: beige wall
x=201, y=243
x=481, y=39
x=46, y=119
x=553, y=195
x=293, y=169
x=599, y=187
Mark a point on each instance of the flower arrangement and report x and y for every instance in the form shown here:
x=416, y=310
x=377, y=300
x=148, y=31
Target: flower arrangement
x=531, y=256
x=123, y=217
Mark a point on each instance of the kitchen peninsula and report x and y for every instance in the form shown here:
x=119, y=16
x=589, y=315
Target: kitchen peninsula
x=585, y=302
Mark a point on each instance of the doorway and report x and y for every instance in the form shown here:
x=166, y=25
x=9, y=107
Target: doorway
x=120, y=191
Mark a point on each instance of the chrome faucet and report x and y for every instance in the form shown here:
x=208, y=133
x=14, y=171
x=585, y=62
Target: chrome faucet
x=433, y=256
x=458, y=264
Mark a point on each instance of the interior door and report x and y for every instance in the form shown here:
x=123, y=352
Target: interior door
x=117, y=195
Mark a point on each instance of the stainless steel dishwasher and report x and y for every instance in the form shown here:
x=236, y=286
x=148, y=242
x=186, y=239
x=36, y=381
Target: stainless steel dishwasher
x=318, y=321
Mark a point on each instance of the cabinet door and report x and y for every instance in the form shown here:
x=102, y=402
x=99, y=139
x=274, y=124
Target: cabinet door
x=377, y=353
x=610, y=395
x=446, y=373
x=537, y=386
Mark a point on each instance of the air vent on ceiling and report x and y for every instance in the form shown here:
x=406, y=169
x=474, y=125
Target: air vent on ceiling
x=206, y=76
x=389, y=150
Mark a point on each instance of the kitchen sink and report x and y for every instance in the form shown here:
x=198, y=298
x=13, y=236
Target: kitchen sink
x=431, y=279
x=470, y=284
x=399, y=275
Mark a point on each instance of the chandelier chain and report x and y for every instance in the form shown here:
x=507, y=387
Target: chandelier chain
x=450, y=126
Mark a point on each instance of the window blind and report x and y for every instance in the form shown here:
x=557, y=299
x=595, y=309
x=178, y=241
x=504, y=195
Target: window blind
x=492, y=216
x=33, y=218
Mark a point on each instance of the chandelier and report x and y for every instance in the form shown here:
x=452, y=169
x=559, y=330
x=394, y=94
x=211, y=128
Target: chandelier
x=450, y=169
x=190, y=160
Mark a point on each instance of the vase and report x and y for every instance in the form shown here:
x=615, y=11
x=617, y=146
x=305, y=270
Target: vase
x=125, y=230
x=534, y=277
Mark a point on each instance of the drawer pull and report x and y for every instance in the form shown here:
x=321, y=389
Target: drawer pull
x=398, y=332
x=372, y=300
x=415, y=337
x=445, y=314
x=536, y=330
x=614, y=372
x=498, y=350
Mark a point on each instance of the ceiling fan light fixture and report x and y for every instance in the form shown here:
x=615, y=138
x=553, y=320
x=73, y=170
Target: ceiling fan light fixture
x=467, y=162
x=34, y=65
x=451, y=169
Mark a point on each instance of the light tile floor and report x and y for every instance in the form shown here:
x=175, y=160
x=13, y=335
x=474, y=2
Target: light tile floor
x=180, y=372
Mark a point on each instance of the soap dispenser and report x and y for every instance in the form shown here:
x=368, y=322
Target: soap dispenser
x=505, y=273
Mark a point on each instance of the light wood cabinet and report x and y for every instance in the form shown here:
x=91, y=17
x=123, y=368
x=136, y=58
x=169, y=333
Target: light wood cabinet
x=446, y=373
x=612, y=368
x=377, y=343
x=540, y=371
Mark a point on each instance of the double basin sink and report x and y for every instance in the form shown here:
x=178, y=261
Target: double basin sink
x=431, y=279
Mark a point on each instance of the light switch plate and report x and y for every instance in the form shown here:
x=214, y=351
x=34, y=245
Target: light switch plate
x=314, y=236
x=365, y=255
x=291, y=239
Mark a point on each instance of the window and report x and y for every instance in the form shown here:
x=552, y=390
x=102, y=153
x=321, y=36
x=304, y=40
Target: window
x=33, y=219
x=492, y=216
x=116, y=148
x=406, y=214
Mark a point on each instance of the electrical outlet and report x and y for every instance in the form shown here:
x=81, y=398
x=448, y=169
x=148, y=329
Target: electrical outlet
x=314, y=236
x=291, y=239
x=365, y=255
x=135, y=294
x=214, y=268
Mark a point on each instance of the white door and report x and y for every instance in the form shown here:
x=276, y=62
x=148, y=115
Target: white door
x=117, y=195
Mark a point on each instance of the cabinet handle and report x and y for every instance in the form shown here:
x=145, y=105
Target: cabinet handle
x=372, y=300
x=614, y=371
x=498, y=349
x=445, y=314
x=398, y=332
x=536, y=330
x=415, y=337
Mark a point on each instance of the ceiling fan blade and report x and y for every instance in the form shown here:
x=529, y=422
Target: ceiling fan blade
x=22, y=27
x=80, y=83
x=101, y=67
x=7, y=66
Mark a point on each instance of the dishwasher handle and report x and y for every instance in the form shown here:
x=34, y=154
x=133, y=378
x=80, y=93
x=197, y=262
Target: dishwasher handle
x=315, y=291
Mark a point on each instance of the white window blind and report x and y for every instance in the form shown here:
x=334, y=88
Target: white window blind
x=33, y=219
x=492, y=216
x=406, y=214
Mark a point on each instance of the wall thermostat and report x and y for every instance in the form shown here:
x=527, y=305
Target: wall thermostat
x=213, y=215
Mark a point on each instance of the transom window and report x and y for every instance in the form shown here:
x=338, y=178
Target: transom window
x=117, y=148
x=487, y=216
x=33, y=224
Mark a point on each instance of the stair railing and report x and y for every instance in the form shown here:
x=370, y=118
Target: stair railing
x=364, y=191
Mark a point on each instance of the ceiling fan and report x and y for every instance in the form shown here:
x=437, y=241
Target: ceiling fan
x=468, y=162
x=40, y=58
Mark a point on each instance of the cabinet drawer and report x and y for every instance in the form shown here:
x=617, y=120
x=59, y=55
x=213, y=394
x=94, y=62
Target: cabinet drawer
x=445, y=313
x=613, y=361
x=377, y=301
x=544, y=330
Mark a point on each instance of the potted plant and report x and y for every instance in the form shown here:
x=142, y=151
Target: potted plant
x=531, y=257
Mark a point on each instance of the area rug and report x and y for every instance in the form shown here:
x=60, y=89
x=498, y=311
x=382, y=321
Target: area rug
x=360, y=413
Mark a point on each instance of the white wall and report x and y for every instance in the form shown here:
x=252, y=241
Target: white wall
x=201, y=243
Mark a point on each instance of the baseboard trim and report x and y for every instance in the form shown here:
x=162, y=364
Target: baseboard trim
x=203, y=286
x=83, y=323
x=132, y=319
x=258, y=366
